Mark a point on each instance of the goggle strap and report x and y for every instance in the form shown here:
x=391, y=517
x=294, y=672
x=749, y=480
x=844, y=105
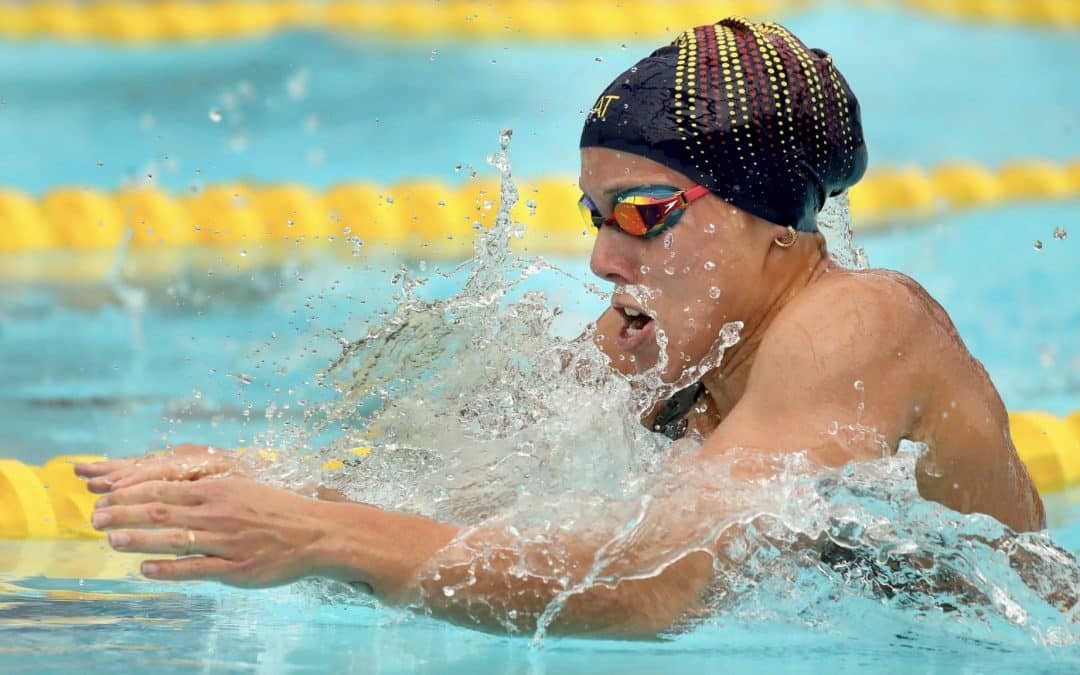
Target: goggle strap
x=694, y=193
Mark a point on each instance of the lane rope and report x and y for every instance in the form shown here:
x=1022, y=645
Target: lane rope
x=424, y=218
x=164, y=21
x=50, y=502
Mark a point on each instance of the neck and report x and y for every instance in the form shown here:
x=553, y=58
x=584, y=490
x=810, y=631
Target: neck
x=725, y=385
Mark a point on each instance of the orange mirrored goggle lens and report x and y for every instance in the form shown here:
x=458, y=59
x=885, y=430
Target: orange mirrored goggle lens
x=641, y=215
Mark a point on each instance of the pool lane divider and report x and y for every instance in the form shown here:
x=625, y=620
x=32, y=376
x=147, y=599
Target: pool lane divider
x=433, y=220
x=166, y=21
x=50, y=503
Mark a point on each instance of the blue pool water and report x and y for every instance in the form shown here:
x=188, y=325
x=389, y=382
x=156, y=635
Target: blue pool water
x=197, y=356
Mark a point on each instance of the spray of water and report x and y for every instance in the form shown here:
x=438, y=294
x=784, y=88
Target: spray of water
x=479, y=415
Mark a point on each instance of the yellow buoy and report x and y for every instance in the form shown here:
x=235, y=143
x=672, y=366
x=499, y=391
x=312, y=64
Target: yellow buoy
x=83, y=218
x=25, y=507
x=1041, y=446
x=291, y=212
x=72, y=503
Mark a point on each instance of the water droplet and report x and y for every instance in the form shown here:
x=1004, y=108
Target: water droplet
x=100, y=163
x=214, y=115
x=599, y=59
x=389, y=199
x=434, y=54
x=709, y=265
x=669, y=270
x=645, y=269
x=448, y=592
x=1060, y=234
x=859, y=386
x=1038, y=244
x=710, y=228
x=243, y=253
x=834, y=428
x=714, y=292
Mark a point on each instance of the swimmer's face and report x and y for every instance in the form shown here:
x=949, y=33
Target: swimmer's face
x=688, y=282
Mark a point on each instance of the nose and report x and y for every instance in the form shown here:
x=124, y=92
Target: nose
x=610, y=260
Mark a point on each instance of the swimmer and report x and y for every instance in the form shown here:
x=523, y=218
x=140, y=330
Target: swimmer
x=711, y=158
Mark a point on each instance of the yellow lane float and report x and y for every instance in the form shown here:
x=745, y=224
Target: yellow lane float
x=133, y=22
x=432, y=220
x=49, y=502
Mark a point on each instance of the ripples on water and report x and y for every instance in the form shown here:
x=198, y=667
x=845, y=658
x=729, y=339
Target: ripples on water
x=480, y=415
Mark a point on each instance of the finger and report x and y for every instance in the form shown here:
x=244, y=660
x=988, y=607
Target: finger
x=105, y=483
x=152, y=472
x=154, y=515
x=173, y=541
x=146, y=468
x=191, y=569
x=175, y=469
x=162, y=491
x=95, y=469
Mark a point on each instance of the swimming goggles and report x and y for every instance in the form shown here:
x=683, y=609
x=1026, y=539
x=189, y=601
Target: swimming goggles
x=643, y=211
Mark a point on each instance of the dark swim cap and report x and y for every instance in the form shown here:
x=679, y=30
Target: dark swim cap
x=745, y=109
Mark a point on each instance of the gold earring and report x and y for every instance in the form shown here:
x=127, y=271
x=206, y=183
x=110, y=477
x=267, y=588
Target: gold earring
x=789, y=239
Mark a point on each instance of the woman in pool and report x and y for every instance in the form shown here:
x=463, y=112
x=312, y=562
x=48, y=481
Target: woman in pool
x=703, y=168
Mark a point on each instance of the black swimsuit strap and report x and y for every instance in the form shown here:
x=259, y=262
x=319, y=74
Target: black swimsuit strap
x=671, y=420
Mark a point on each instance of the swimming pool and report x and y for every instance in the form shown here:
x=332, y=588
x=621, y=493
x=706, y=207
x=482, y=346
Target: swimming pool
x=129, y=364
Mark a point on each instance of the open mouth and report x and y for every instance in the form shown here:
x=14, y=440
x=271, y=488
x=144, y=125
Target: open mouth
x=635, y=321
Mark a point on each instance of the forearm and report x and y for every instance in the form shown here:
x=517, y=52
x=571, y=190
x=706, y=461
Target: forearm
x=495, y=592
x=383, y=549
x=497, y=580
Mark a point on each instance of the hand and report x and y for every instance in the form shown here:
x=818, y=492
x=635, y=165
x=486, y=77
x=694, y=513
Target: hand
x=184, y=462
x=233, y=530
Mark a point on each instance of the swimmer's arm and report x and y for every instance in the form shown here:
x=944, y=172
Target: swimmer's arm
x=417, y=562
x=803, y=385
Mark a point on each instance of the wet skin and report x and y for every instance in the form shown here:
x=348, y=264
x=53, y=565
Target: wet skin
x=839, y=364
x=818, y=341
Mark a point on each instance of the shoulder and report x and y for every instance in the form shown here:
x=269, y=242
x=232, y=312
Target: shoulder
x=848, y=319
x=852, y=348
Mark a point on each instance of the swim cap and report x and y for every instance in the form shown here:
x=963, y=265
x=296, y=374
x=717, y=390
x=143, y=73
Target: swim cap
x=745, y=109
